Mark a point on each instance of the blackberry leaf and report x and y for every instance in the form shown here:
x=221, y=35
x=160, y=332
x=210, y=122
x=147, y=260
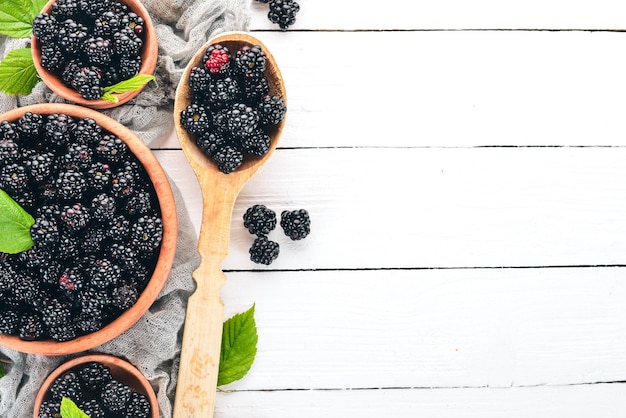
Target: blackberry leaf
x=239, y=338
x=15, y=225
x=18, y=74
x=70, y=410
x=16, y=17
x=131, y=84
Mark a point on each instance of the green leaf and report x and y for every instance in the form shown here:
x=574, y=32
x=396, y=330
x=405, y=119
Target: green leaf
x=18, y=74
x=131, y=84
x=70, y=410
x=36, y=7
x=16, y=18
x=15, y=225
x=239, y=338
x=110, y=97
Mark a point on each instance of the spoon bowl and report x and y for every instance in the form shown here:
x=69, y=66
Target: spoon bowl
x=202, y=336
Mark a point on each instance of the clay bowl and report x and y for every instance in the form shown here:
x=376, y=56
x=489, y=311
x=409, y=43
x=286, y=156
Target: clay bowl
x=167, y=249
x=149, y=56
x=121, y=370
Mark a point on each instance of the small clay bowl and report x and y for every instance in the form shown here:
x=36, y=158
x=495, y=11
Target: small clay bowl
x=149, y=55
x=121, y=370
x=168, y=243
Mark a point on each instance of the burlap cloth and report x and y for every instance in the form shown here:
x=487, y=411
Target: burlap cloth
x=153, y=343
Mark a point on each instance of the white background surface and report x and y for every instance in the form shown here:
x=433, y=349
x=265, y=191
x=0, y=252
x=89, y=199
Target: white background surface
x=463, y=163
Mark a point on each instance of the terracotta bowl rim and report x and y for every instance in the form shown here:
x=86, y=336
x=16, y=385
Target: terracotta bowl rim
x=149, y=57
x=165, y=260
x=107, y=359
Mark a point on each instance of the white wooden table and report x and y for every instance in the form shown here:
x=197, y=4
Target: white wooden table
x=464, y=165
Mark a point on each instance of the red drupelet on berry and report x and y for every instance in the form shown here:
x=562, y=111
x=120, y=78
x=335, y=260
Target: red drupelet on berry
x=217, y=60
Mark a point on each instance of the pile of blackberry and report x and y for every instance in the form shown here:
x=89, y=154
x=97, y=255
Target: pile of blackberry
x=282, y=12
x=90, y=44
x=97, y=229
x=96, y=392
x=231, y=109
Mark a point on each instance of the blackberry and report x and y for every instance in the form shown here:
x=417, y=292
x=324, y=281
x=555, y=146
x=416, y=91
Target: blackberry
x=93, y=409
x=264, y=251
x=258, y=143
x=92, y=302
x=133, y=22
x=50, y=409
x=124, y=297
x=255, y=89
x=45, y=28
x=223, y=91
x=50, y=273
x=69, y=247
x=71, y=281
x=126, y=44
x=90, y=92
x=111, y=149
x=30, y=125
x=86, y=323
x=110, y=77
x=62, y=332
x=94, y=9
x=115, y=396
x=71, y=36
x=103, y=207
x=85, y=79
x=199, y=81
x=129, y=66
x=64, y=9
x=119, y=8
x=40, y=166
x=14, y=180
x=44, y=231
x=104, y=274
x=241, y=120
x=94, y=375
x=195, y=118
x=71, y=185
x=125, y=255
x=217, y=60
x=75, y=218
x=8, y=131
x=9, y=322
x=26, y=200
x=123, y=184
x=272, y=110
x=106, y=24
x=211, y=142
x=138, y=406
x=98, y=50
x=88, y=132
x=69, y=69
x=259, y=220
x=119, y=229
x=93, y=240
x=78, y=157
x=59, y=128
x=67, y=386
x=31, y=327
x=283, y=12
x=296, y=224
x=27, y=289
x=9, y=151
x=99, y=176
x=139, y=203
x=36, y=257
x=146, y=234
x=250, y=61
x=51, y=57
x=228, y=158
x=220, y=120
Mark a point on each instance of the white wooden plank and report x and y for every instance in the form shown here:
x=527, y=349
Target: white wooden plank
x=450, y=88
x=433, y=328
x=387, y=208
x=449, y=14
x=607, y=401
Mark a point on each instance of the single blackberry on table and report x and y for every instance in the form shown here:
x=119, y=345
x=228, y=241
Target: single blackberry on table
x=126, y=44
x=31, y=327
x=259, y=220
x=272, y=110
x=98, y=50
x=58, y=128
x=9, y=322
x=195, y=118
x=78, y=157
x=255, y=89
x=139, y=203
x=45, y=28
x=112, y=149
x=67, y=386
x=51, y=57
x=211, y=142
x=14, y=180
x=129, y=67
x=88, y=132
x=241, y=120
x=40, y=166
x=223, y=92
x=146, y=234
x=217, y=60
x=296, y=223
x=50, y=409
x=250, y=61
x=283, y=12
x=45, y=231
x=103, y=207
x=115, y=396
x=124, y=296
x=104, y=274
x=138, y=406
x=93, y=409
x=71, y=36
x=94, y=375
x=228, y=158
x=264, y=251
x=257, y=143
x=99, y=176
x=30, y=126
x=75, y=218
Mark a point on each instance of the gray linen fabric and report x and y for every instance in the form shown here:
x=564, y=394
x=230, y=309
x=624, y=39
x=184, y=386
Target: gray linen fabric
x=153, y=343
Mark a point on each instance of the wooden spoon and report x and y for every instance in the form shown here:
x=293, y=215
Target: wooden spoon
x=202, y=337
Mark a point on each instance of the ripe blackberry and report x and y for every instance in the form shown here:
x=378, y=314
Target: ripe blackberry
x=54, y=312
x=88, y=132
x=40, y=166
x=93, y=240
x=78, y=157
x=250, y=61
x=14, y=180
x=71, y=281
x=119, y=229
x=50, y=409
x=272, y=110
x=103, y=207
x=62, y=332
x=51, y=57
x=31, y=327
x=71, y=185
x=255, y=89
x=146, y=234
x=259, y=220
x=36, y=257
x=124, y=296
x=283, y=12
x=84, y=81
x=45, y=231
x=30, y=125
x=111, y=149
x=93, y=409
x=98, y=50
x=223, y=92
x=45, y=28
x=89, y=92
x=8, y=131
x=199, y=83
x=9, y=151
x=264, y=251
x=26, y=200
x=64, y=9
x=217, y=59
x=86, y=323
x=257, y=143
x=71, y=36
x=94, y=375
x=92, y=302
x=69, y=69
x=129, y=67
x=133, y=22
x=104, y=274
x=106, y=24
x=211, y=142
x=59, y=128
x=195, y=118
x=241, y=120
x=139, y=203
x=67, y=386
x=296, y=224
x=110, y=77
x=123, y=184
x=75, y=218
x=126, y=44
x=9, y=322
x=94, y=9
x=115, y=396
x=228, y=158
x=125, y=255
x=138, y=406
